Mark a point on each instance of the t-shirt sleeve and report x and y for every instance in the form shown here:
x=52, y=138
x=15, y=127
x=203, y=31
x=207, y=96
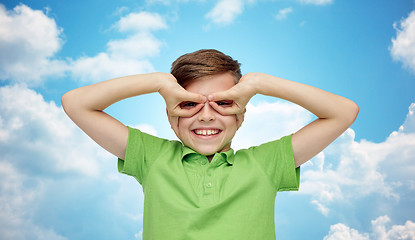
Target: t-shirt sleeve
x=277, y=160
x=141, y=150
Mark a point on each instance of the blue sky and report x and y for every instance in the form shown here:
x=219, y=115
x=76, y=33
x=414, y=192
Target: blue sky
x=57, y=184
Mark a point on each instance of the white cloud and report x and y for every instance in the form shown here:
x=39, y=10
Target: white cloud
x=409, y=125
x=28, y=41
x=169, y=2
x=348, y=172
x=120, y=11
x=322, y=208
x=316, y=2
x=403, y=46
x=342, y=232
x=282, y=14
x=225, y=11
x=137, y=46
x=17, y=204
x=39, y=138
x=17, y=207
x=51, y=174
x=141, y=21
x=104, y=66
x=352, y=170
x=124, y=56
x=380, y=231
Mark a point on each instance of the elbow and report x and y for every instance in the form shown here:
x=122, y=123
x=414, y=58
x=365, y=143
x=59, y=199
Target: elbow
x=355, y=110
x=352, y=112
x=64, y=99
x=68, y=101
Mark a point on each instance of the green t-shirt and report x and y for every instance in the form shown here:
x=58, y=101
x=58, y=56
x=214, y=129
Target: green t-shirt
x=186, y=197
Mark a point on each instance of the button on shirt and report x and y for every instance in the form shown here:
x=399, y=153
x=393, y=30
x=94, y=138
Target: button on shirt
x=186, y=197
x=207, y=180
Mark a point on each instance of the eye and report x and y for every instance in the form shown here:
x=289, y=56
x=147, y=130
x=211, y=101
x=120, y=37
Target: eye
x=187, y=105
x=225, y=103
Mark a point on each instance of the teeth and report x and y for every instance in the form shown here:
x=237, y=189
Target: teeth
x=206, y=132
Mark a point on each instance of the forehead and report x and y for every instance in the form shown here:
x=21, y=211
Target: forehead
x=211, y=84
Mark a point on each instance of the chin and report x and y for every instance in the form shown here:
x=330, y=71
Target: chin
x=211, y=151
x=206, y=152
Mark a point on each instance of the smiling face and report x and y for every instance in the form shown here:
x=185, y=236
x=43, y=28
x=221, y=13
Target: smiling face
x=208, y=132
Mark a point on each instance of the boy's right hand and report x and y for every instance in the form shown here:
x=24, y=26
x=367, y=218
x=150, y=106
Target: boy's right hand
x=175, y=95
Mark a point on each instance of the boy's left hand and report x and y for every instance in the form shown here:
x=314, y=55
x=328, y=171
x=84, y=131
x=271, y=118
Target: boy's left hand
x=240, y=94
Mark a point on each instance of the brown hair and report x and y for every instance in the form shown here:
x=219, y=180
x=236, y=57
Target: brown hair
x=202, y=63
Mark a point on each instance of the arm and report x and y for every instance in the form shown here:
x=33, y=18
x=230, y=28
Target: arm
x=335, y=113
x=85, y=105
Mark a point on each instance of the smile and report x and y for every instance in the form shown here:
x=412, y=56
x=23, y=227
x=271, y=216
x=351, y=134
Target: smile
x=206, y=132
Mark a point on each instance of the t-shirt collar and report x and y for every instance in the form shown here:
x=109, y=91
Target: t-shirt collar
x=229, y=155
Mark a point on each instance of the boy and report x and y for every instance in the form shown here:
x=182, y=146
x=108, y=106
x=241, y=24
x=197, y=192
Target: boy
x=199, y=188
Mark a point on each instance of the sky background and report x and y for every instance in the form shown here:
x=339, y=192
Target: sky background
x=55, y=183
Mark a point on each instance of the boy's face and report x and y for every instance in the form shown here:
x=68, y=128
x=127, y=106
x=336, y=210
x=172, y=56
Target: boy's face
x=208, y=132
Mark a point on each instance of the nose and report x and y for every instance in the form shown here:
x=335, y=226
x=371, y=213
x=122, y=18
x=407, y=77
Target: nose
x=207, y=113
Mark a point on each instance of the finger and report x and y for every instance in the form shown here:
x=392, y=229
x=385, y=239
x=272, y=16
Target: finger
x=225, y=95
x=192, y=97
x=180, y=112
x=229, y=110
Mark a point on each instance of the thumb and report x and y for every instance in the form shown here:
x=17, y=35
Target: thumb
x=229, y=110
x=192, y=97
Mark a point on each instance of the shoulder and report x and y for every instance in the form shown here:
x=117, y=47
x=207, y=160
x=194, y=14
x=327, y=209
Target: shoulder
x=276, y=159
